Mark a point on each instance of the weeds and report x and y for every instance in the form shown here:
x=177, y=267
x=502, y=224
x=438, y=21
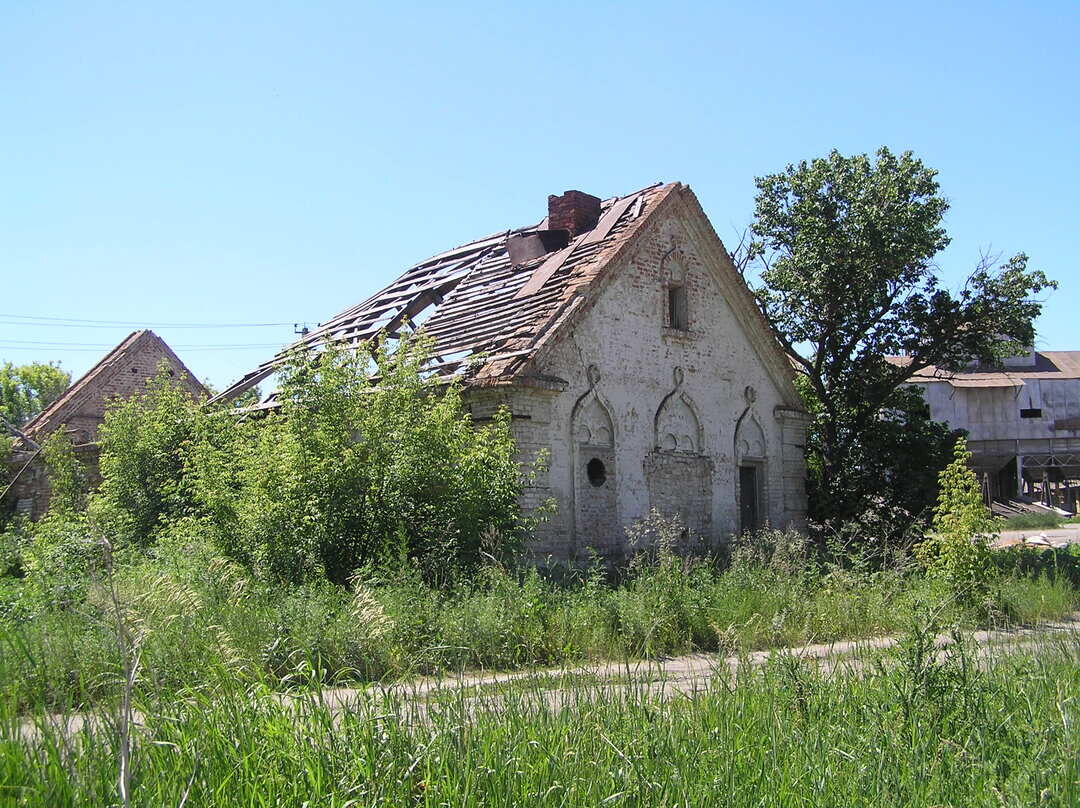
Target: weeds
x=922, y=729
x=201, y=621
x=1037, y=521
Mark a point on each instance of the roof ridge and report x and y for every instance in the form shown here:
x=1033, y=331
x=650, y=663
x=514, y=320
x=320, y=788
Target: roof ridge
x=74, y=393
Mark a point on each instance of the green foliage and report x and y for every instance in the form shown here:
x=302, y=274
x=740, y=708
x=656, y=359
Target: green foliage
x=845, y=248
x=1035, y=564
x=56, y=550
x=353, y=468
x=892, y=471
x=198, y=614
x=359, y=467
x=1030, y=521
x=144, y=442
x=25, y=390
x=14, y=538
x=67, y=476
x=7, y=446
x=958, y=550
x=53, y=547
x=925, y=728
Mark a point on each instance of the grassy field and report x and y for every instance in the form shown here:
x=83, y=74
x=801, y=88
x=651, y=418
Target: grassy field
x=1037, y=521
x=59, y=645
x=190, y=682
x=915, y=730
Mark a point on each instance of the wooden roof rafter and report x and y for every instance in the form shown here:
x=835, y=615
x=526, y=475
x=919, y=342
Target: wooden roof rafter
x=483, y=305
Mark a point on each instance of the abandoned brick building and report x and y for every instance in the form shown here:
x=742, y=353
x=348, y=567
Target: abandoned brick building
x=628, y=348
x=121, y=373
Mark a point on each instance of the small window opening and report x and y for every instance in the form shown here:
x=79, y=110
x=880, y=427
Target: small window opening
x=1031, y=413
x=677, y=315
x=596, y=472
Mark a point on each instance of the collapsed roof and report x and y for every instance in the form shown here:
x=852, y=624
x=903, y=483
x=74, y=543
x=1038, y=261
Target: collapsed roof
x=489, y=304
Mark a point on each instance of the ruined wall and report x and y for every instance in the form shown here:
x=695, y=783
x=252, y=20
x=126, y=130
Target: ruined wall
x=123, y=381
x=82, y=416
x=659, y=407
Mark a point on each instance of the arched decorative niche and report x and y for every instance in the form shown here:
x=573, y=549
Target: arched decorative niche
x=592, y=422
x=751, y=462
x=678, y=473
x=596, y=522
x=749, y=435
x=676, y=425
x=749, y=438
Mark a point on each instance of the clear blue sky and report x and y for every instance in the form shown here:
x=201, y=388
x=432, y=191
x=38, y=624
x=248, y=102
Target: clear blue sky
x=268, y=162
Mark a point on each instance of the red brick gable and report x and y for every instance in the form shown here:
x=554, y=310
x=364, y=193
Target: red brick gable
x=122, y=372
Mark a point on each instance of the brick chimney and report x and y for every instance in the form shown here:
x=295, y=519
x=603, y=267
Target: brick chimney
x=574, y=211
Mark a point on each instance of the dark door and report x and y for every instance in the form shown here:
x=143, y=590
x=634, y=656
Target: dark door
x=748, y=498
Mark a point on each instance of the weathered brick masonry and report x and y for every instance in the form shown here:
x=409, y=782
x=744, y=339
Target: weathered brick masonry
x=80, y=411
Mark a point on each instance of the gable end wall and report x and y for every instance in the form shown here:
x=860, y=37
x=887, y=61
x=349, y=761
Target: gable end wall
x=622, y=334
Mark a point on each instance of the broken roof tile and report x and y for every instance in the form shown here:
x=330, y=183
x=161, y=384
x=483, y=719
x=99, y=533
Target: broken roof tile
x=481, y=302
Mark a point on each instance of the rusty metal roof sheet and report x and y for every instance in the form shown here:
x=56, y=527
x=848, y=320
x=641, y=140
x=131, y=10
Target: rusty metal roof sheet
x=483, y=313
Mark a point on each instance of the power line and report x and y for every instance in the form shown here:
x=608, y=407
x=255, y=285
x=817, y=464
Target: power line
x=110, y=345
x=26, y=319
x=200, y=348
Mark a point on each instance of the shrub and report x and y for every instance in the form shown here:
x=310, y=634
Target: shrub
x=67, y=476
x=58, y=549
x=144, y=444
x=7, y=504
x=362, y=463
x=958, y=550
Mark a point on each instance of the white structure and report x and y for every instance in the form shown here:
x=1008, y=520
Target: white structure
x=1022, y=419
x=629, y=352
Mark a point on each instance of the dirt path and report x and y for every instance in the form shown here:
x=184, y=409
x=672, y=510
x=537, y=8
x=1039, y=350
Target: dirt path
x=689, y=674
x=1067, y=534
x=676, y=676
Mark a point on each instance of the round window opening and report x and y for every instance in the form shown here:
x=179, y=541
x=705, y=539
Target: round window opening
x=596, y=471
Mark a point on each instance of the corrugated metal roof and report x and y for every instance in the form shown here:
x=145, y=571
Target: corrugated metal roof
x=1048, y=365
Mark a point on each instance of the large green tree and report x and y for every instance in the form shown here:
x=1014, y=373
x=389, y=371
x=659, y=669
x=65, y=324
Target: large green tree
x=844, y=249
x=25, y=390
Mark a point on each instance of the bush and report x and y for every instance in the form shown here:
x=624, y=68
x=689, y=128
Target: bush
x=958, y=551
x=145, y=441
x=56, y=551
x=1032, y=563
x=360, y=466
x=368, y=460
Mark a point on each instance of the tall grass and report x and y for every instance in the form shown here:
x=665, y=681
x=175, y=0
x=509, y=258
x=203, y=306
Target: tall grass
x=914, y=730
x=190, y=623
x=1032, y=521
